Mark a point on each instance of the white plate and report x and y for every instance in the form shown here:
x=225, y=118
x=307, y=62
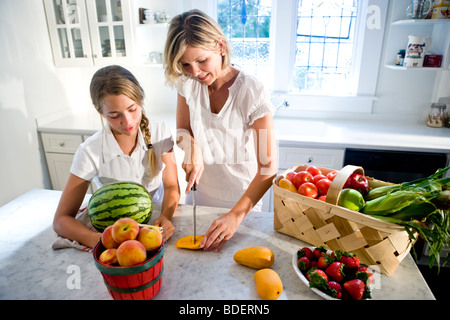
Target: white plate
x=306, y=282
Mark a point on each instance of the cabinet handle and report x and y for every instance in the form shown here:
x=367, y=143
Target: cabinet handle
x=62, y=144
x=310, y=159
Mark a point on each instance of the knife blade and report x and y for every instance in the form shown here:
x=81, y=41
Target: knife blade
x=194, y=210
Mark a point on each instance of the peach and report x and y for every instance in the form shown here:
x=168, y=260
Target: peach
x=150, y=237
x=108, y=240
x=108, y=256
x=125, y=229
x=131, y=252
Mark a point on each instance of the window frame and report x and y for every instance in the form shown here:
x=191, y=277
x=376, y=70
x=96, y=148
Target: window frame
x=367, y=60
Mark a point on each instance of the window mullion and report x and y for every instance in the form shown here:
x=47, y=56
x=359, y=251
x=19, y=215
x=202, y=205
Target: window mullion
x=283, y=28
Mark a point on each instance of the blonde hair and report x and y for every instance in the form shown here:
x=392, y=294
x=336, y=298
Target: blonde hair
x=116, y=80
x=192, y=28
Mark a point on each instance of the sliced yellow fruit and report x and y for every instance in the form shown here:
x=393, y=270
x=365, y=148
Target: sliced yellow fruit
x=188, y=242
x=286, y=184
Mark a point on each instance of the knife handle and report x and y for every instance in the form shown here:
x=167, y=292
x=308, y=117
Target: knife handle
x=194, y=187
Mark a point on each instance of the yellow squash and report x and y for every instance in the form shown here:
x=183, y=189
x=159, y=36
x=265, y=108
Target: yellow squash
x=255, y=257
x=268, y=284
x=188, y=242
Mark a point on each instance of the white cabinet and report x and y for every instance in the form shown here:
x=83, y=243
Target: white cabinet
x=90, y=32
x=61, y=143
x=59, y=168
x=295, y=156
x=59, y=150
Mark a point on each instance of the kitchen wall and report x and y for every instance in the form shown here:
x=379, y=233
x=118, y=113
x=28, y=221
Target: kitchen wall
x=31, y=87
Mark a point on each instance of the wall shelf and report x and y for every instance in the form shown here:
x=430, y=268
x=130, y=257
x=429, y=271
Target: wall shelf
x=395, y=67
x=422, y=22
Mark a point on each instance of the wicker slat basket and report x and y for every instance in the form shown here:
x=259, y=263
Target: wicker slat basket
x=375, y=242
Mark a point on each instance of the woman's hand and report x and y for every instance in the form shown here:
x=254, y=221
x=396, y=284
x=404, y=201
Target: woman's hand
x=221, y=230
x=167, y=225
x=193, y=159
x=193, y=166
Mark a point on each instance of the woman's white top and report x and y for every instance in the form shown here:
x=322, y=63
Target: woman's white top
x=226, y=138
x=101, y=160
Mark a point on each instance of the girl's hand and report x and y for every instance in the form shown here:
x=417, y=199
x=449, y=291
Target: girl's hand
x=167, y=225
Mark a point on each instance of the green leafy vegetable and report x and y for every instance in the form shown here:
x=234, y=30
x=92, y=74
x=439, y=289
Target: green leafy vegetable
x=421, y=206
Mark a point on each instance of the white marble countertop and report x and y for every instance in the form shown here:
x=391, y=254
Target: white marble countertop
x=30, y=269
x=376, y=133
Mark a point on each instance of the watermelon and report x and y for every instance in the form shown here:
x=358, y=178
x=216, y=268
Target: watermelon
x=119, y=200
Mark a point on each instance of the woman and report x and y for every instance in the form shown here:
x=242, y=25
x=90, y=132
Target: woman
x=128, y=148
x=224, y=123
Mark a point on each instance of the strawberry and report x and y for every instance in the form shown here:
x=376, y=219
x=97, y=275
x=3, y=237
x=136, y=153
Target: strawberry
x=323, y=262
x=318, y=271
x=350, y=260
x=336, y=255
x=316, y=280
x=319, y=251
x=334, y=289
x=355, y=288
x=305, y=252
x=304, y=264
x=335, y=271
x=363, y=273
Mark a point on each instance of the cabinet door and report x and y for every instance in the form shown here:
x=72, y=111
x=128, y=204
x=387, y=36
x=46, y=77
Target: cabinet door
x=327, y=158
x=69, y=32
x=59, y=168
x=110, y=30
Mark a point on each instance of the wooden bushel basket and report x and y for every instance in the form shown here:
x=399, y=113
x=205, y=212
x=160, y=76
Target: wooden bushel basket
x=139, y=282
x=375, y=242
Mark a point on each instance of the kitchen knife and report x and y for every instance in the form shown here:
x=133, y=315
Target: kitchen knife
x=194, y=210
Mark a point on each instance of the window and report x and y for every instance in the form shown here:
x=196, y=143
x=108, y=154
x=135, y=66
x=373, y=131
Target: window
x=324, y=46
x=316, y=55
x=246, y=23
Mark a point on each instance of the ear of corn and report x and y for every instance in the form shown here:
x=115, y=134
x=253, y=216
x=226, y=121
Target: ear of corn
x=381, y=191
x=417, y=210
x=389, y=203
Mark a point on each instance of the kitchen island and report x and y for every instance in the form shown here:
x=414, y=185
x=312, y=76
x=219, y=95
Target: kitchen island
x=31, y=270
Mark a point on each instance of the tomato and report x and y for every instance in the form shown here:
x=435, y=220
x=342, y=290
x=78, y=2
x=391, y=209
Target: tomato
x=332, y=174
x=322, y=198
x=308, y=189
x=318, y=177
x=323, y=185
x=290, y=176
x=302, y=177
x=314, y=170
